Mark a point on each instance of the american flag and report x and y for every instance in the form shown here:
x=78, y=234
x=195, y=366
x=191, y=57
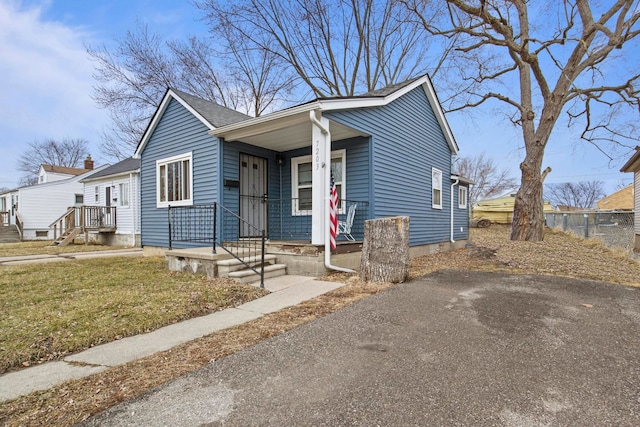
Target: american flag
x=333, y=213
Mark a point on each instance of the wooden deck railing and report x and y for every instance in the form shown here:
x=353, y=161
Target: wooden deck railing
x=4, y=218
x=20, y=225
x=87, y=218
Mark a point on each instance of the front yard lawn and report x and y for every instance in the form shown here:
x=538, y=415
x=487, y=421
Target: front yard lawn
x=49, y=310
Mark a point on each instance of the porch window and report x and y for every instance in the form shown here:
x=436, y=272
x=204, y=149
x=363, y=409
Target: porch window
x=462, y=197
x=124, y=194
x=436, y=188
x=301, y=174
x=174, y=183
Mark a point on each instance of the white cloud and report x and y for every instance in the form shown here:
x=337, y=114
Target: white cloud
x=45, y=83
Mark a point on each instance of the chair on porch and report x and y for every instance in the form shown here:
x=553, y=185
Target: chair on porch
x=344, y=227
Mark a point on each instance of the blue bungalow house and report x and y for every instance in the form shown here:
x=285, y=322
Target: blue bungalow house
x=212, y=176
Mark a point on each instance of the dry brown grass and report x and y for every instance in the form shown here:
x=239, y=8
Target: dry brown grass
x=38, y=247
x=61, y=308
x=74, y=401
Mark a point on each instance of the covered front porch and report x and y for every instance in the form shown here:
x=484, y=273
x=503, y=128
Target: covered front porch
x=274, y=197
x=277, y=175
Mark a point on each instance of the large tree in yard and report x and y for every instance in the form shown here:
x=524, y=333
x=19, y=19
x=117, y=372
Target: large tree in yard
x=548, y=62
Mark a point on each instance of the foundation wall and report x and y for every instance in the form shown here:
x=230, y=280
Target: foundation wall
x=301, y=259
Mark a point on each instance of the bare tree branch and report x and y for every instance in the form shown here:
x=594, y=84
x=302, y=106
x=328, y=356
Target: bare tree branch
x=490, y=181
x=545, y=60
x=583, y=194
x=68, y=153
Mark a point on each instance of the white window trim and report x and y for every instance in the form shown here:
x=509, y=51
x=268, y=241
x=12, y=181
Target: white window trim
x=165, y=161
x=436, y=184
x=295, y=161
x=464, y=190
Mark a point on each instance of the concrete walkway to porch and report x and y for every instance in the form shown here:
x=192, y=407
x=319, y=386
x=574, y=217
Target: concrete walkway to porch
x=286, y=291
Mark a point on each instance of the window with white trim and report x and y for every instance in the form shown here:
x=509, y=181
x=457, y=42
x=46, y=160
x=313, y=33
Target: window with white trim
x=174, y=180
x=124, y=194
x=97, y=194
x=462, y=197
x=436, y=188
x=301, y=181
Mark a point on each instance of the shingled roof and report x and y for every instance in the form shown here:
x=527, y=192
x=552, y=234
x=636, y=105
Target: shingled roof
x=216, y=115
x=64, y=170
x=125, y=166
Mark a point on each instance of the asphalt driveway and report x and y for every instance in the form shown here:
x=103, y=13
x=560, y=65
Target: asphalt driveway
x=453, y=348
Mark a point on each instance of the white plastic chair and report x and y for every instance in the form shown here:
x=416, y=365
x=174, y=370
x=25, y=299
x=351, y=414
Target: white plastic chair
x=344, y=227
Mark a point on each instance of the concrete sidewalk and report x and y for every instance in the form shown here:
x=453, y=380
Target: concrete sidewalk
x=286, y=291
x=46, y=258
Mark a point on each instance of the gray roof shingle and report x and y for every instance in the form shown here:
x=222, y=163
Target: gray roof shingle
x=216, y=115
x=126, y=165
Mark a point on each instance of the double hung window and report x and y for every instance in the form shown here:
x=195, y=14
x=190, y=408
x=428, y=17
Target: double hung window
x=436, y=188
x=301, y=179
x=174, y=181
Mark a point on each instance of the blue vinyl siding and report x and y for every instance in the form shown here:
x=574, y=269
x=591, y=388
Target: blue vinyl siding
x=460, y=217
x=177, y=132
x=406, y=143
x=357, y=186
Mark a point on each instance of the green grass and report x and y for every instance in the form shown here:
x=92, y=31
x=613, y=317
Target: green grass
x=38, y=247
x=49, y=310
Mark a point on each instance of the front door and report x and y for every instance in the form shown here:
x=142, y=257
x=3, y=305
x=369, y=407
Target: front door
x=253, y=195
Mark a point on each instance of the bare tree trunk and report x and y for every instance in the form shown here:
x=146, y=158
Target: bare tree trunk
x=385, y=251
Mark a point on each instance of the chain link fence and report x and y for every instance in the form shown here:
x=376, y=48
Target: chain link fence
x=614, y=229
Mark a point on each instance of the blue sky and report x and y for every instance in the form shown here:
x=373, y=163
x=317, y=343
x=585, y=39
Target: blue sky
x=46, y=85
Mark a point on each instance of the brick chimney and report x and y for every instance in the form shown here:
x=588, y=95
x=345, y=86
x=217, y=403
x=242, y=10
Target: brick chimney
x=88, y=163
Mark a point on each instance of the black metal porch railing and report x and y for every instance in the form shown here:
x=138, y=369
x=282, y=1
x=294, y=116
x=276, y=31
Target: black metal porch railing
x=289, y=220
x=199, y=224
x=192, y=224
x=248, y=250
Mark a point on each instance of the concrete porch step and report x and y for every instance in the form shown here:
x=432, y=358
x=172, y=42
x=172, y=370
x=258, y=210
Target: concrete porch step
x=226, y=266
x=249, y=276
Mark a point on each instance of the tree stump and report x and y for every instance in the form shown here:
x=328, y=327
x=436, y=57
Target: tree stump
x=385, y=250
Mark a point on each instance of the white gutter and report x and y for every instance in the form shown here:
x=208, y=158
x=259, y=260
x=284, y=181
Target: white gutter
x=453, y=185
x=327, y=167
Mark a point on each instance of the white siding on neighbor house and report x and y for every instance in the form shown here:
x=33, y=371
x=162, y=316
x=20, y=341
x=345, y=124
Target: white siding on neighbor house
x=40, y=205
x=45, y=177
x=127, y=217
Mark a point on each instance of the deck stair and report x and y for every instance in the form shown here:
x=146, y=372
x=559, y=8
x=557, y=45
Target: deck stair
x=237, y=270
x=9, y=234
x=67, y=237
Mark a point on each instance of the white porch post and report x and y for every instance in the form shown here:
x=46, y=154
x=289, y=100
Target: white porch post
x=320, y=152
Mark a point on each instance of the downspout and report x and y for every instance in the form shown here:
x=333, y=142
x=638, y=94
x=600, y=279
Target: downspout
x=452, y=186
x=327, y=166
x=132, y=202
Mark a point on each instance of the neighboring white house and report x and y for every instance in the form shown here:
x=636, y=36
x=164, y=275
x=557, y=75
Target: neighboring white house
x=117, y=185
x=39, y=205
x=633, y=165
x=51, y=173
